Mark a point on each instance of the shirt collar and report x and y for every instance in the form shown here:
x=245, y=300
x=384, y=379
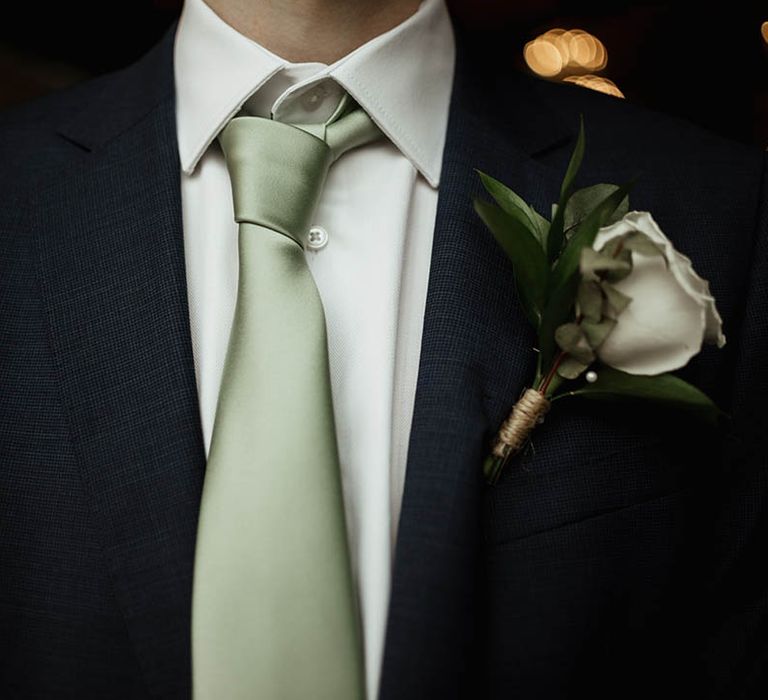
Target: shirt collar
x=402, y=78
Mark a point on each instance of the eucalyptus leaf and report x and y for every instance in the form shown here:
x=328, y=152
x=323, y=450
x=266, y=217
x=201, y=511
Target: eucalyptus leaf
x=572, y=339
x=622, y=268
x=583, y=201
x=612, y=384
x=617, y=301
x=612, y=246
x=516, y=207
x=589, y=299
x=568, y=336
x=525, y=253
x=597, y=331
x=556, y=230
x=570, y=368
x=593, y=262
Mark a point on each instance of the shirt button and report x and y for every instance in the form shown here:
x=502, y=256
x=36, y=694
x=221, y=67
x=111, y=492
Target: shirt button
x=313, y=98
x=317, y=238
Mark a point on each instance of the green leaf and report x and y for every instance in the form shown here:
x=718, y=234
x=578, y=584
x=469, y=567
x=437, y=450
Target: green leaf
x=617, y=301
x=613, y=246
x=525, y=253
x=612, y=384
x=597, y=331
x=568, y=263
x=586, y=199
x=622, y=269
x=564, y=279
x=571, y=368
x=556, y=229
x=590, y=300
x=571, y=338
x=593, y=263
x=558, y=310
x=516, y=207
x=573, y=166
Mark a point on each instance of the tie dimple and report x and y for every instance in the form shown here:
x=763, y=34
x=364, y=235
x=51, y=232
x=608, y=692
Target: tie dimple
x=280, y=189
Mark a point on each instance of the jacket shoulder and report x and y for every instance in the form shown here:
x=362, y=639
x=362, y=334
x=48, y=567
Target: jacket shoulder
x=40, y=135
x=656, y=138
x=30, y=142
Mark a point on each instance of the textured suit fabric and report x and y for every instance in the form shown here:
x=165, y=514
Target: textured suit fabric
x=623, y=557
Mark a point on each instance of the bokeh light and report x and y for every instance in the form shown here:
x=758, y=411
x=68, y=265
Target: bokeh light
x=595, y=82
x=543, y=58
x=568, y=54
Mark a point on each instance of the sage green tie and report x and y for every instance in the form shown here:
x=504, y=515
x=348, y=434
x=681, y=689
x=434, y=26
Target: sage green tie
x=274, y=607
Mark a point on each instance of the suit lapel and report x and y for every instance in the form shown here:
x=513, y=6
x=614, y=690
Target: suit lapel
x=113, y=278
x=475, y=359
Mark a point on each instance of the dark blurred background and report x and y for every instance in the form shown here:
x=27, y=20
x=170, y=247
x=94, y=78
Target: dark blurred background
x=708, y=66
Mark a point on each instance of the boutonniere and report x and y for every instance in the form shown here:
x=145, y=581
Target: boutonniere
x=615, y=307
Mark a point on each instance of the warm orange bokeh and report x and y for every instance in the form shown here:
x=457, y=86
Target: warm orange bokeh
x=570, y=54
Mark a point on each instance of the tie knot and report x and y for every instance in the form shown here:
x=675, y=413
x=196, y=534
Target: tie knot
x=278, y=170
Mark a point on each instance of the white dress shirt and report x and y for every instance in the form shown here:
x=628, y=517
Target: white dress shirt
x=377, y=214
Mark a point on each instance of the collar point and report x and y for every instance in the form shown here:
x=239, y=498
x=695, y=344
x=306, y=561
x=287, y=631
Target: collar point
x=189, y=161
x=433, y=180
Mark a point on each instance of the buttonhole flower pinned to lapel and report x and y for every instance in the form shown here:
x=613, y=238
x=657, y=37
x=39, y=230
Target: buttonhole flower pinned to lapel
x=615, y=306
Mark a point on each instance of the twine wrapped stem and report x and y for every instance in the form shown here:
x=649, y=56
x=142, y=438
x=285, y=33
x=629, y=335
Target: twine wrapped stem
x=515, y=431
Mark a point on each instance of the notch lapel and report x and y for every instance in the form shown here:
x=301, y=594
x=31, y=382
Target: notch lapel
x=112, y=275
x=111, y=257
x=475, y=359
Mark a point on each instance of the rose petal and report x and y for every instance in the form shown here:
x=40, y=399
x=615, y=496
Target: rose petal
x=672, y=311
x=661, y=328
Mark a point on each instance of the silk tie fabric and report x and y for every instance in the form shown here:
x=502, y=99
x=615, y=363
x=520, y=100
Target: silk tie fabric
x=274, y=606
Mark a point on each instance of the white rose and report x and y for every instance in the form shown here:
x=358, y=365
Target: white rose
x=671, y=313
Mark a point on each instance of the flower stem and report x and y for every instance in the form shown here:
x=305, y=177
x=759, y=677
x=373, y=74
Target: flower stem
x=545, y=383
x=492, y=468
x=515, y=431
x=552, y=376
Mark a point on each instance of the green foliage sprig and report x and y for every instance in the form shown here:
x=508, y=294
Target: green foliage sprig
x=567, y=290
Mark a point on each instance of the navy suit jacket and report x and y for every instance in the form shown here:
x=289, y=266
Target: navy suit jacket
x=622, y=558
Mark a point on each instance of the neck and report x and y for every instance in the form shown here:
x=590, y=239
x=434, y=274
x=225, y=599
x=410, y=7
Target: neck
x=312, y=30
